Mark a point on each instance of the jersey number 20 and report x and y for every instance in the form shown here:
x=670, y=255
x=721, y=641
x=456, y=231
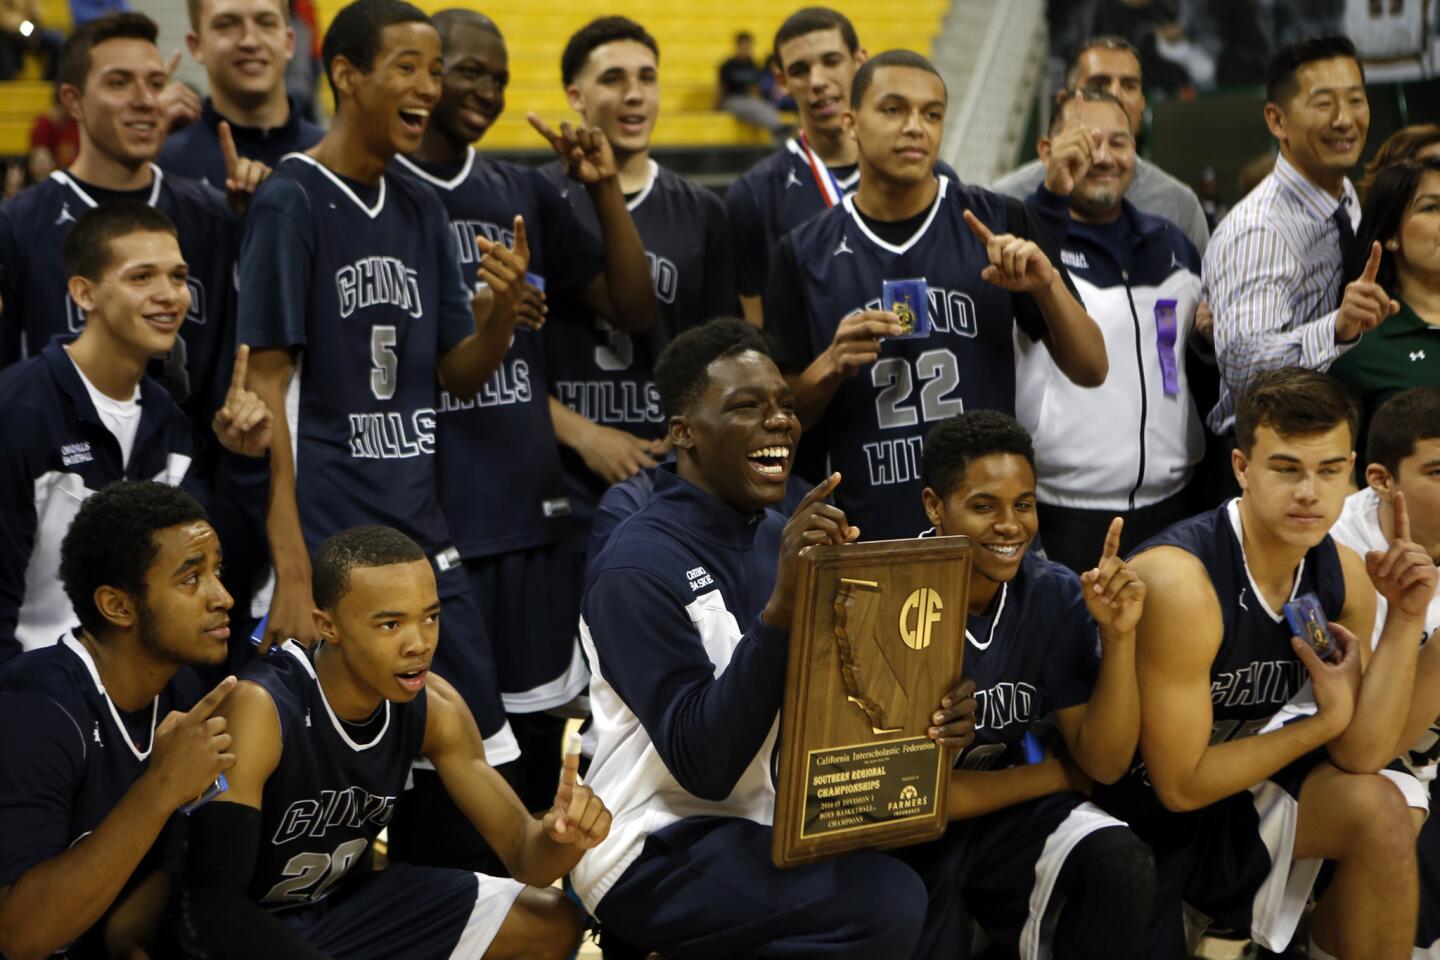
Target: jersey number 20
x=312, y=874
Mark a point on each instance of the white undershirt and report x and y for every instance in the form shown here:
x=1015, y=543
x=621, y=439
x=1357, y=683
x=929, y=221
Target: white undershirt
x=121, y=417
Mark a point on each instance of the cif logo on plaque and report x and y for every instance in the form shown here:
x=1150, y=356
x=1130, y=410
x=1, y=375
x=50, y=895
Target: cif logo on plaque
x=918, y=616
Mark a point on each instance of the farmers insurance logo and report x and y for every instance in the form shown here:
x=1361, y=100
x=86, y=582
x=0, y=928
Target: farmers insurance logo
x=909, y=801
x=918, y=617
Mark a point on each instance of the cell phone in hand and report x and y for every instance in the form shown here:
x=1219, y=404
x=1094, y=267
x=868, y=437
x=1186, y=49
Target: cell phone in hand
x=1307, y=620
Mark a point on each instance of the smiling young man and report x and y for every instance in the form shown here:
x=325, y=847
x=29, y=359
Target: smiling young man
x=1250, y=743
x=95, y=760
x=1273, y=272
x=686, y=632
x=866, y=398
x=244, y=46
x=513, y=535
x=111, y=76
x=324, y=740
x=84, y=413
x=352, y=297
x=1039, y=868
x=607, y=414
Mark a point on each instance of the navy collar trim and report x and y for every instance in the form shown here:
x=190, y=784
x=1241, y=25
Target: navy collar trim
x=700, y=514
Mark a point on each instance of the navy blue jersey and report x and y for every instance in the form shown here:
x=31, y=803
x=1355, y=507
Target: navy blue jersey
x=524, y=504
x=67, y=757
x=37, y=307
x=194, y=152
x=370, y=292
x=609, y=376
x=1033, y=651
x=873, y=429
x=1255, y=672
x=774, y=197
x=335, y=786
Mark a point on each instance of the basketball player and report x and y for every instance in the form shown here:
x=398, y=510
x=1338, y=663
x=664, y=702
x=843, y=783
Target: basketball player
x=1042, y=870
x=870, y=399
x=608, y=414
x=1403, y=465
x=111, y=76
x=350, y=287
x=84, y=414
x=1239, y=797
x=685, y=626
x=279, y=864
x=244, y=46
x=95, y=753
x=512, y=535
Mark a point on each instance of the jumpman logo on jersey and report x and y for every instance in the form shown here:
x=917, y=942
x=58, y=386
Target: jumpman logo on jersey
x=843, y=248
x=1241, y=599
x=1175, y=261
x=307, y=718
x=97, y=734
x=791, y=180
x=1417, y=355
x=65, y=215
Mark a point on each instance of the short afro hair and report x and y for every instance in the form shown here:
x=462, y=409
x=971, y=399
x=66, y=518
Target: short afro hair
x=1280, y=82
x=367, y=546
x=1294, y=403
x=355, y=33
x=597, y=33
x=952, y=445
x=865, y=76
x=111, y=542
x=75, y=54
x=89, y=245
x=808, y=20
x=682, y=369
x=1400, y=423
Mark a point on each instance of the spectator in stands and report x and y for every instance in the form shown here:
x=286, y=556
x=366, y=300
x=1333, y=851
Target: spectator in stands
x=82, y=756
x=56, y=133
x=1111, y=63
x=1274, y=272
x=740, y=88
x=21, y=33
x=1412, y=142
x=83, y=413
x=1129, y=447
x=1400, y=227
x=244, y=46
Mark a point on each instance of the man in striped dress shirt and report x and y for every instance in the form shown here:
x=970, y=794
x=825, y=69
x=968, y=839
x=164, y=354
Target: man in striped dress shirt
x=1272, y=272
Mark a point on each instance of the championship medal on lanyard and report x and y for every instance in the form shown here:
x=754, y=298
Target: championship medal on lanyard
x=824, y=179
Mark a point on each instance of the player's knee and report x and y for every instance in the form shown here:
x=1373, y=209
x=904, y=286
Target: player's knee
x=1108, y=883
x=886, y=912
x=1377, y=817
x=543, y=925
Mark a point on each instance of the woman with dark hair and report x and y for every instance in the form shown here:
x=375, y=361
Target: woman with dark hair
x=1402, y=214
x=1415, y=142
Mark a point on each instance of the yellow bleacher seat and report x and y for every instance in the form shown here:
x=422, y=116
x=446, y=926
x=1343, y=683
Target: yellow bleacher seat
x=693, y=41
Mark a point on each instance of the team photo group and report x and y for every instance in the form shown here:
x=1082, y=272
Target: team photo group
x=404, y=551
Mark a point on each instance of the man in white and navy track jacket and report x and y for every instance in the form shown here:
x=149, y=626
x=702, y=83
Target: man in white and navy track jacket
x=687, y=635
x=1130, y=446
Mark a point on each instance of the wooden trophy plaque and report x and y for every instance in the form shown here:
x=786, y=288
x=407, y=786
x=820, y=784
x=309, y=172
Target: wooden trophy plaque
x=877, y=642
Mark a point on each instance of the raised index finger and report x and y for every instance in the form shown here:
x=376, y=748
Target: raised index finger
x=543, y=128
x=1372, y=266
x=242, y=366
x=570, y=768
x=522, y=242
x=227, y=147
x=174, y=62
x=1112, y=539
x=202, y=710
x=978, y=228
x=820, y=492
x=1402, y=517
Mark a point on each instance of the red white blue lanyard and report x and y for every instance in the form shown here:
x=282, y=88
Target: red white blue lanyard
x=829, y=187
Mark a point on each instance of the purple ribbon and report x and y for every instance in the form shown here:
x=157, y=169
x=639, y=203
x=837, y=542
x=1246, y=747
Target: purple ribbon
x=1166, y=331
